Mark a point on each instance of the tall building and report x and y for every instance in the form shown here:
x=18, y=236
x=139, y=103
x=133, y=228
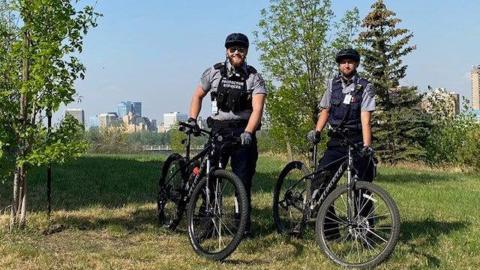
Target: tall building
x=171, y=118
x=154, y=125
x=134, y=123
x=93, y=121
x=475, y=76
x=107, y=119
x=161, y=128
x=456, y=99
x=123, y=108
x=78, y=114
x=137, y=108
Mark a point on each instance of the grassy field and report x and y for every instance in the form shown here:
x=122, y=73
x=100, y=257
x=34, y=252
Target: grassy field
x=106, y=206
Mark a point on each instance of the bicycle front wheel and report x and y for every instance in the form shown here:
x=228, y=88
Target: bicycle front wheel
x=369, y=236
x=217, y=215
x=169, y=205
x=290, y=196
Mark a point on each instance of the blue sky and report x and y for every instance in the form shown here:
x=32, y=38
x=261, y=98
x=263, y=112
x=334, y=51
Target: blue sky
x=154, y=51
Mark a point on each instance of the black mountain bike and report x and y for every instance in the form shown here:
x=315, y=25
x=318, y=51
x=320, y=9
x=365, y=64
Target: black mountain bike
x=215, y=199
x=357, y=224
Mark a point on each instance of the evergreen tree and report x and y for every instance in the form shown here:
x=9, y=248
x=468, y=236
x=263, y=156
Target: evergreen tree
x=383, y=45
x=399, y=125
x=402, y=132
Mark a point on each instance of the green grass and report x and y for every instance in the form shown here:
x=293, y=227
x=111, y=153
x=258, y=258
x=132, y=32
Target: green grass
x=106, y=204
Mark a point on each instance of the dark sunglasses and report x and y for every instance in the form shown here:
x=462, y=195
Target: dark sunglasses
x=241, y=50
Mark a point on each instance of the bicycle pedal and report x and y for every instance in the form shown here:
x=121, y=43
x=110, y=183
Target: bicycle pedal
x=296, y=232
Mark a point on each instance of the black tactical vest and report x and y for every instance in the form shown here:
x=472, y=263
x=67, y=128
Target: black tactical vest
x=346, y=115
x=232, y=93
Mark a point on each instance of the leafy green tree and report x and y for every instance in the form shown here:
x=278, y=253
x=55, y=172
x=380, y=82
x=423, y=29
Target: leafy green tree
x=399, y=125
x=455, y=139
x=109, y=140
x=7, y=36
x=297, y=54
x=38, y=74
x=176, y=137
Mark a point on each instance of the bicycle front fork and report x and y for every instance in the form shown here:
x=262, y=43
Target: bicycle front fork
x=350, y=189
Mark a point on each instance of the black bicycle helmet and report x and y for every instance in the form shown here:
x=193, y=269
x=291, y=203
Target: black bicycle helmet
x=347, y=54
x=236, y=39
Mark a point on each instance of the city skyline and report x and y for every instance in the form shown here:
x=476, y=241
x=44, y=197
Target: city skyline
x=146, y=52
x=475, y=76
x=124, y=108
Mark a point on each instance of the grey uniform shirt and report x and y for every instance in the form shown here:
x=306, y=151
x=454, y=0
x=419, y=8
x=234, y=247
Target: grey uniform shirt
x=368, y=96
x=209, y=82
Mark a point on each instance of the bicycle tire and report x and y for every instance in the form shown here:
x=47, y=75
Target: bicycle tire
x=372, y=235
x=170, y=208
x=203, y=229
x=289, y=206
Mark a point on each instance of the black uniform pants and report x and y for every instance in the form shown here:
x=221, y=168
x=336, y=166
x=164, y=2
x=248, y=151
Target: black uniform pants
x=332, y=159
x=243, y=160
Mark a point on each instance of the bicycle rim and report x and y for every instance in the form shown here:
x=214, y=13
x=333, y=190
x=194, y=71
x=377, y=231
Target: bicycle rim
x=369, y=238
x=170, y=192
x=290, y=196
x=216, y=217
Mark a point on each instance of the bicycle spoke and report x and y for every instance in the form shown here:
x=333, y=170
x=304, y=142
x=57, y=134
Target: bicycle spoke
x=366, y=240
x=225, y=225
x=337, y=221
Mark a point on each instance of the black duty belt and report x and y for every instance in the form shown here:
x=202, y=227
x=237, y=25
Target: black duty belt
x=353, y=136
x=229, y=123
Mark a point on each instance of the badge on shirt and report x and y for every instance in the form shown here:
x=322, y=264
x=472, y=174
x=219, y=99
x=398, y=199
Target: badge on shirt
x=348, y=99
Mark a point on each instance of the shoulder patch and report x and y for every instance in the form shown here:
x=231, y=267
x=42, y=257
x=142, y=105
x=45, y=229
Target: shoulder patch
x=251, y=69
x=361, y=84
x=206, y=73
x=370, y=90
x=218, y=65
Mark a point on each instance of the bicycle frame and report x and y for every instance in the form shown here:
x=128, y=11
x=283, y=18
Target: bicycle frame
x=205, y=167
x=352, y=178
x=346, y=165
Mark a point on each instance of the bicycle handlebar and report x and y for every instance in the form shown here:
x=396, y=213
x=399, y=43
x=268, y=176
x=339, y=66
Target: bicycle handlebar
x=191, y=128
x=231, y=140
x=358, y=147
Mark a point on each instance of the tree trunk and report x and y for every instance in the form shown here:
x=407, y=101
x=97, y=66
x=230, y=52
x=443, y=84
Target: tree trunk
x=23, y=202
x=18, y=212
x=289, y=151
x=13, y=212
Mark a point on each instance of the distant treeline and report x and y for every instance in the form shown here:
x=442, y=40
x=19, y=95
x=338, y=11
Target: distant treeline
x=115, y=140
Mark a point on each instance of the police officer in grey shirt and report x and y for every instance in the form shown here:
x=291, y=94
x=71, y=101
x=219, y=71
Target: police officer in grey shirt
x=238, y=91
x=349, y=101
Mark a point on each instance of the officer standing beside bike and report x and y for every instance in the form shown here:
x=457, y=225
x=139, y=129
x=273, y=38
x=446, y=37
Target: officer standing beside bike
x=238, y=91
x=348, y=101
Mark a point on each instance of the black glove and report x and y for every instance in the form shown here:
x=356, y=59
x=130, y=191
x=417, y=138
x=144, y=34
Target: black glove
x=367, y=151
x=313, y=136
x=195, y=129
x=246, y=138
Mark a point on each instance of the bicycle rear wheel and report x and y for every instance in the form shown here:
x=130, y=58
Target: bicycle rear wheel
x=369, y=237
x=170, y=208
x=217, y=215
x=290, y=196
